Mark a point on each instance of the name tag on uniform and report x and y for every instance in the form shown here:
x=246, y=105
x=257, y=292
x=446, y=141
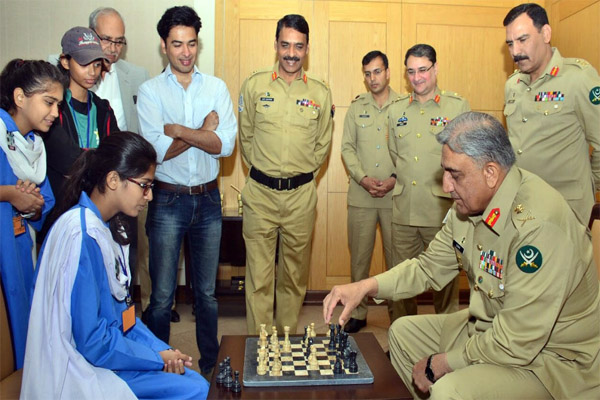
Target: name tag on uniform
x=364, y=116
x=267, y=99
x=18, y=225
x=458, y=246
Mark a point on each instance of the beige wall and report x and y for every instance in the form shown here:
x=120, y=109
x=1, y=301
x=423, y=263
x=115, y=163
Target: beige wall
x=34, y=28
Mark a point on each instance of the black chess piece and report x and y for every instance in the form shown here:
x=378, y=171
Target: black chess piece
x=228, y=382
x=227, y=361
x=310, y=343
x=236, y=387
x=331, y=337
x=353, y=366
x=337, y=367
x=221, y=375
x=305, y=335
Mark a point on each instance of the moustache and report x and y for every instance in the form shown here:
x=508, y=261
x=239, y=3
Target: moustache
x=288, y=58
x=520, y=57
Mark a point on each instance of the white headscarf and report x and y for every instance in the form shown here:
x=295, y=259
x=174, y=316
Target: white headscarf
x=26, y=157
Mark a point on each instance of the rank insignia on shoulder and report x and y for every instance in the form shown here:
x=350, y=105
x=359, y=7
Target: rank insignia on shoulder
x=491, y=263
x=550, y=96
x=439, y=121
x=595, y=96
x=493, y=217
x=519, y=208
x=529, y=259
x=241, y=103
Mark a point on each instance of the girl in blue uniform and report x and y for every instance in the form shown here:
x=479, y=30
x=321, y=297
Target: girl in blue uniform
x=30, y=92
x=84, y=340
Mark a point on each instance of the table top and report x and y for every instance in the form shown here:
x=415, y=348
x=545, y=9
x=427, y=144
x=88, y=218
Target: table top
x=387, y=384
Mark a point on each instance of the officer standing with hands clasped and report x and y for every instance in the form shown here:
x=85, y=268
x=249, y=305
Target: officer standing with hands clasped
x=367, y=158
x=285, y=135
x=532, y=328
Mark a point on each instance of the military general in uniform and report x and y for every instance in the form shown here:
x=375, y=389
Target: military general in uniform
x=367, y=158
x=419, y=203
x=552, y=109
x=285, y=136
x=532, y=328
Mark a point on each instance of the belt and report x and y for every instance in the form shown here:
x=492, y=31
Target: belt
x=281, y=183
x=199, y=189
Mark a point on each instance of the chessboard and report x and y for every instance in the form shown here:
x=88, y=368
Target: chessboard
x=295, y=368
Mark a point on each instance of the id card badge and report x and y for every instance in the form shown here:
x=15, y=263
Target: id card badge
x=128, y=318
x=18, y=225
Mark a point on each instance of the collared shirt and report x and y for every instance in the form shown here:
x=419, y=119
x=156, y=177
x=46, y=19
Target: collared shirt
x=365, y=148
x=285, y=130
x=108, y=88
x=162, y=100
x=552, y=123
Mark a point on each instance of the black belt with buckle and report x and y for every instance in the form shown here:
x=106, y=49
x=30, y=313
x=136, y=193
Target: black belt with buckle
x=281, y=183
x=198, y=189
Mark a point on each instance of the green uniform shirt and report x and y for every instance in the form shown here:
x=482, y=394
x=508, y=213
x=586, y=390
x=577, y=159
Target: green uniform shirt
x=418, y=198
x=551, y=124
x=534, y=300
x=365, y=149
x=285, y=130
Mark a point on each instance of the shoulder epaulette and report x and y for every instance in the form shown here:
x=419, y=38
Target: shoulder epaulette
x=321, y=81
x=515, y=72
x=580, y=62
x=357, y=97
x=403, y=96
x=454, y=95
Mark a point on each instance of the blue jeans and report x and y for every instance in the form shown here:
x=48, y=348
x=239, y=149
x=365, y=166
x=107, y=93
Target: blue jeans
x=170, y=217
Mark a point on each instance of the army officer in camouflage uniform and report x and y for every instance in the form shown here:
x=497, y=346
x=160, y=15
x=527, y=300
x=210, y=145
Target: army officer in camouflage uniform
x=285, y=136
x=532, y=329
x=365, y=153
x=552, y=109
x=419, y=203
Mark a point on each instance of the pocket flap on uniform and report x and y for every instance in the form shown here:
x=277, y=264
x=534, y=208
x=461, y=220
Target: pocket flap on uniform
x=398, y=189
x=439, y=192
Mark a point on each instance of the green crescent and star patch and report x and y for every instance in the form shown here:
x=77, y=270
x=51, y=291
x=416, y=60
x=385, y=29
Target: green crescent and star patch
x=529, y=259
x=595, y=95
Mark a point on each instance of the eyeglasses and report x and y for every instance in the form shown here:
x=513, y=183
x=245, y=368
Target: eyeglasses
x=422, y=70
x=146, y=187
x=376, y=72
x=108, y=41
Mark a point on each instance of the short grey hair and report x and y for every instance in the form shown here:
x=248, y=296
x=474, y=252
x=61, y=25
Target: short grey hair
x=93, y=21
x=479, y=136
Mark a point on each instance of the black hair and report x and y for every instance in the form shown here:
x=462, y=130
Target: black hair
x=176, y=16
x=370, y=56
x=62, y=69
x=534, y=11
x=421, y=50
x=127, y=153
x=294, y=21
x=33, y=76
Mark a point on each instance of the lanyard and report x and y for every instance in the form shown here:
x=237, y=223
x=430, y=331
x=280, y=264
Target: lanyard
x=89, y=105
x=128, y=300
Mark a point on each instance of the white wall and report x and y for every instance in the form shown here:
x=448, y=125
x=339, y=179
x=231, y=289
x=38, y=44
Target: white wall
x=34, y=28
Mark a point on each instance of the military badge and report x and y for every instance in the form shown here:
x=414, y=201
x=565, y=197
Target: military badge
x=241, y=103
x=529, y=259
x=595, y=96
x=402, y=121
x=439, y=121
x=308, y=103
x=491, y=263
x=492, y=217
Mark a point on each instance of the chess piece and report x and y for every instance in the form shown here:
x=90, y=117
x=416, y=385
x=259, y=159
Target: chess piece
x=228, y=378
x=276, y=366
x=308, y=346
x=337, y=367
x=274, y=339
x=331, y=345
x=237, y=386
x=287, y=345
x=312, y=359
x=221, y=374
x=308, y=335
x=261, y=369
x=353, y=366
x=312, y=330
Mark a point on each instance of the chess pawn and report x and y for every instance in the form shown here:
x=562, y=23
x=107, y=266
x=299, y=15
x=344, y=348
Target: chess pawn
x=312, y=330
x=287, y=346
x=261, y=369
x=221, y=374
x=237, y=386
x=276, y=367
x=313, y=362
x=228, y=378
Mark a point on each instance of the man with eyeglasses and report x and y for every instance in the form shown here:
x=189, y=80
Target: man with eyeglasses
x=419, y=203
x=367, y=158
x=552, y=109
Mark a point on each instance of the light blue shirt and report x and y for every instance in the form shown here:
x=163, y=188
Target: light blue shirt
x=162, y=100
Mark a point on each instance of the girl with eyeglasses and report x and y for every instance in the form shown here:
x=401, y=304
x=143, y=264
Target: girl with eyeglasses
x=84, y=339
x=30, y=92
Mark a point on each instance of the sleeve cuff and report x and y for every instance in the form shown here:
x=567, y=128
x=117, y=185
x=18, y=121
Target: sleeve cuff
x=386, y=285
x=456, y=359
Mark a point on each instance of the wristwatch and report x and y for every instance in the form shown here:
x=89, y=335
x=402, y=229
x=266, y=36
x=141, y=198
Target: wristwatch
x=394, y=176
x=428, y=371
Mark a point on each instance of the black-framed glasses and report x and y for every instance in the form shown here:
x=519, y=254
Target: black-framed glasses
x=108, y=41
x=422, y=70
x=146, y=187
